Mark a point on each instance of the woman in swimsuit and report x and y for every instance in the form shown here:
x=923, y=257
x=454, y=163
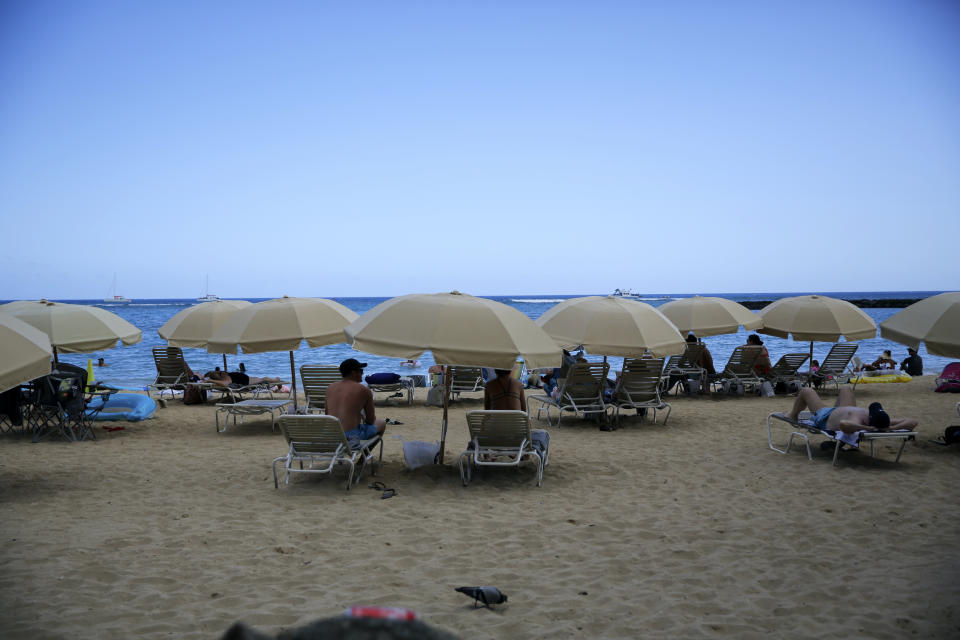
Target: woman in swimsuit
x=504, y=392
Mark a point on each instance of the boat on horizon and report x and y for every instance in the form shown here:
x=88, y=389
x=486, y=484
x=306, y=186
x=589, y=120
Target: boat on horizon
x=207, y=296
x=624, y=293
x=113, y=294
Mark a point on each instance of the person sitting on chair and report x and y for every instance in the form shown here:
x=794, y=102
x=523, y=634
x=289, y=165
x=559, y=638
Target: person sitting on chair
x=504, y=392
x=349, y=398
x=762, y=365
x=845, y=415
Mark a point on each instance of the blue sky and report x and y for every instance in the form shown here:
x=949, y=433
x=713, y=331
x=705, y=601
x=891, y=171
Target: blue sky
x=382, y=148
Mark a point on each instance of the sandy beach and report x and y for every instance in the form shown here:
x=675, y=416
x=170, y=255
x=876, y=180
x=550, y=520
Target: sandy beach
x=693, y=529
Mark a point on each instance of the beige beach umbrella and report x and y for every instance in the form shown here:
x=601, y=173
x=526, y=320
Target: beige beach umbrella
x=458, y=329
x=817, y=319
x=935, y=321
x=194, y=326
x=75, y=328
x=24, y=352
x=282, y=324
x=710, y=316
x=612, y=326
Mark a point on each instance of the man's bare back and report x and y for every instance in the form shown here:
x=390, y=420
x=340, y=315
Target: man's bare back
x=346, y=399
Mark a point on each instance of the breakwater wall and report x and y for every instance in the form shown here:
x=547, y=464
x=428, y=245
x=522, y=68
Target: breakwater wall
x=863, y=303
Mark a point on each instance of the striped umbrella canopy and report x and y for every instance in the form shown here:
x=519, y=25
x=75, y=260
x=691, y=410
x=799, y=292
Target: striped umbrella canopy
x=935, y=321
x=24, y=352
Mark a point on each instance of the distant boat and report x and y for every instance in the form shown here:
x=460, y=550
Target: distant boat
x=113, y=294
x=207, y=296
x=624, y=293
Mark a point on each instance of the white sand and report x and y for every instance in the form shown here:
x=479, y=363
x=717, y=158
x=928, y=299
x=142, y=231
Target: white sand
x=695, y=529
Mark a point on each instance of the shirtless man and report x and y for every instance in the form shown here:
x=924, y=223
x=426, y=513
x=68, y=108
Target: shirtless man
x=504, y=393
x=845, y=415
x=347, y=398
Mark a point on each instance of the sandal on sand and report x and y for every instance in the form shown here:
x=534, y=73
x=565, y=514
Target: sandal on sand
x=379, y=486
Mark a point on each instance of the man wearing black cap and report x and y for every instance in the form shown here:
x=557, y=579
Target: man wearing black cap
x=845, y=415
x=347, y=398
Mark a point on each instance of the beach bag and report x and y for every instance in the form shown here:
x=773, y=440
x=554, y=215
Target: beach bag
x=949, y=380
x=780, y=388
x=383, y=378
x=733, y=388
x=193, y=394
x=766, y=389
x=435, y=397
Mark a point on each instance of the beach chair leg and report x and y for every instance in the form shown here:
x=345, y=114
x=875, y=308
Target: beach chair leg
x=836, y=452
x=903, y=443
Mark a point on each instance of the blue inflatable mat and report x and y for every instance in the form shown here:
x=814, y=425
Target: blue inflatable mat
x=131, y=407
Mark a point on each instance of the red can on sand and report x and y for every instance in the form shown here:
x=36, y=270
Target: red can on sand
x=391, y=613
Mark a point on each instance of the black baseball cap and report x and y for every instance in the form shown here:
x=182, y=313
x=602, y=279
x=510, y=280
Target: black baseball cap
x=350, y=365
x=879, y=418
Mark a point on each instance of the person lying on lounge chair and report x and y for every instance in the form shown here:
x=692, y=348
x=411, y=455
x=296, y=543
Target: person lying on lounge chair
x=224, y=379
x=845, y=415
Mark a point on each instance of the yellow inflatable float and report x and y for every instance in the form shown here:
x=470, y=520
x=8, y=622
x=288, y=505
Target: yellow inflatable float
x=869, y=377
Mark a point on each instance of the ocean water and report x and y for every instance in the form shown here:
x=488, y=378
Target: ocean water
x=132, y=367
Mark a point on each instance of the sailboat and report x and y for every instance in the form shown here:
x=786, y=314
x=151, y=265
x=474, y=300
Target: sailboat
x=207, y=296
x=114, y=297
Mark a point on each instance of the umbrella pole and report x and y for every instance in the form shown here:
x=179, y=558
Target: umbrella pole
x=810, y=377
x=293, y=382
x=224, y=362
x=446, y=404
x=55, y=361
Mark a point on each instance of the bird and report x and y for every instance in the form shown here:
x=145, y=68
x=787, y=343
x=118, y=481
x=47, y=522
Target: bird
x=486, y=595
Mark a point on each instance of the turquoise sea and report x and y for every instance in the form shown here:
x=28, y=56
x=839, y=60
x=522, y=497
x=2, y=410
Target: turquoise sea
x=132, y=367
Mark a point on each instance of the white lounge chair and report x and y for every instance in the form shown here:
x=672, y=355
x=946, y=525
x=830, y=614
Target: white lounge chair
x=835, y=367
x=316, y=378
x=804, y=427
x=580, y=392
x=501, y=439
x=465, y=380
x=638, y=388
x=172, y=371
x=319, y=441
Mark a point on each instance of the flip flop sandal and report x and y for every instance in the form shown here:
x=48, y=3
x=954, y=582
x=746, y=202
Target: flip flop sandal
x=388, y=493
x=379, y=486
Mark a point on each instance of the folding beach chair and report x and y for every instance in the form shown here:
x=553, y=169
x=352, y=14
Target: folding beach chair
x=393, y=384
x=638, y=388
x=172, y=371
x=679, y=368
x=502, y=439
x=785, y=370
x=465, y=380
x=61, y=406
x=580, y=392
x=804, y=427
x=835, y=367
x=740, y=368
x=316, y=378
x=319, y=441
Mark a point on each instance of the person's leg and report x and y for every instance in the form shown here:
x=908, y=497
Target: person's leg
x=806, y=399
x=845, y=398
x=381, y=425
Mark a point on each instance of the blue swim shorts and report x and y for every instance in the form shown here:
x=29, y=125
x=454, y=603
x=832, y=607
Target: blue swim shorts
x=820, y=417
x=362, y=432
